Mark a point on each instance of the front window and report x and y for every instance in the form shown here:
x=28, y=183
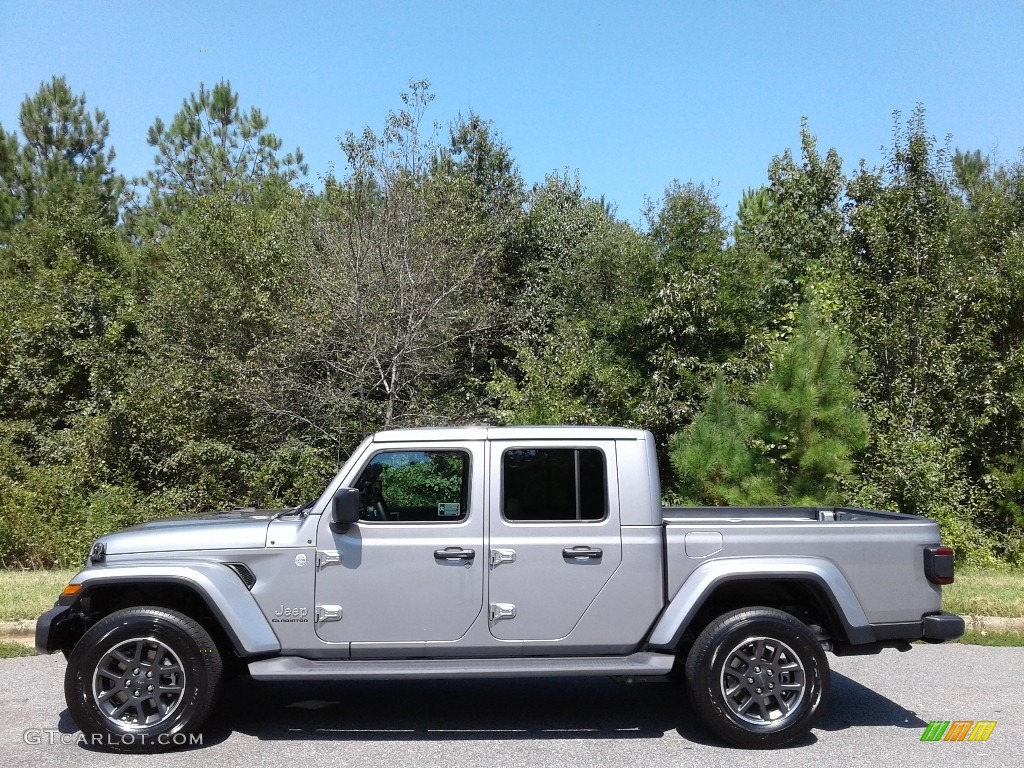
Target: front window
x=415, y=486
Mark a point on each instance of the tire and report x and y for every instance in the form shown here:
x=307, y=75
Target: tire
x=142, y=680
x=758, y=678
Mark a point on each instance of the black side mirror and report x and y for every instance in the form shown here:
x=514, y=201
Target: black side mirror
x=345, y=508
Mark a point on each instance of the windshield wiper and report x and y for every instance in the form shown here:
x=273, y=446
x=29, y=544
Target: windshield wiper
x=300, y=510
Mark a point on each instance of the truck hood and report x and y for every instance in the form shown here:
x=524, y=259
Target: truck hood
x=232, y=529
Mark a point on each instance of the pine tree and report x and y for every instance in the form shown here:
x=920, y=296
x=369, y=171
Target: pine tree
x=793, y=443
x=712, y=458
x=806, y=423
x=211, y=146
x=63, y=155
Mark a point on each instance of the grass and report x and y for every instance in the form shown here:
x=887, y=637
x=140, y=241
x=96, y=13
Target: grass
x=1009, y=637
x=979, y=592
x=24, y=595
x=10, y=650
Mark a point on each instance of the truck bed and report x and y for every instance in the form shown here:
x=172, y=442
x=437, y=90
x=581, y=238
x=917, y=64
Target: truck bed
x=879, y=554
x=723, y=515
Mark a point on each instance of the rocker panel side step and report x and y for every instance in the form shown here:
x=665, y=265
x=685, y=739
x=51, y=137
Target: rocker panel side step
x=298, y=668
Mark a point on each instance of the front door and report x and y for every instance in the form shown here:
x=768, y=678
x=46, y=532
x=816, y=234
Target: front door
x=555, y=542
x=411, y=571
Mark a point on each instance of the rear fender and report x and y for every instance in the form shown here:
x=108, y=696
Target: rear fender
x=701, y=584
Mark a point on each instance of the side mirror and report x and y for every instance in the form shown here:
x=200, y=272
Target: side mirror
x=345, y=508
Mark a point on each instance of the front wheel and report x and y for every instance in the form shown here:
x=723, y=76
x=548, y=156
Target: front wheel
x=142, y=680
x=758, y=678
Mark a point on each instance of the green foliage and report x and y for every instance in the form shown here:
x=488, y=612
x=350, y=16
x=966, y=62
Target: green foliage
x=211, y=147
x=713, y=462
x=67, y=282
x=862, y=340
x=793, y=443
x=63, y=156
x=50, y=514
x=190, y=417
x=575, y=378
x=396, y=307
x=970, y=170
x=751, y=212
x=423, y=483
x=937, y=309
x=807, y=424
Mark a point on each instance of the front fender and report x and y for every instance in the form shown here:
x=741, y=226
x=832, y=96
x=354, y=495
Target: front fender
x=217, y=585
x=707, y=577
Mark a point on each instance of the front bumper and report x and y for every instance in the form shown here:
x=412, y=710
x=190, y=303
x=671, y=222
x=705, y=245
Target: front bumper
x=52, y=629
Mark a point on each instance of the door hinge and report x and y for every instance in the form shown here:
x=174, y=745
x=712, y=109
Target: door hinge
x=499, y=556
x=502, y=611
x=327, y=557
x=326, y=613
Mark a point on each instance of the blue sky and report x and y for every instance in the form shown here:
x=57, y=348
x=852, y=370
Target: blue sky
x=633, y=95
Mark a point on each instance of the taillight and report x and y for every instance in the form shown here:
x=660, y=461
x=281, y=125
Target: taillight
x=938, y=564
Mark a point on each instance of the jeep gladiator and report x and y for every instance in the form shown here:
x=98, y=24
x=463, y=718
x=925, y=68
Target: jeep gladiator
x=494, y=552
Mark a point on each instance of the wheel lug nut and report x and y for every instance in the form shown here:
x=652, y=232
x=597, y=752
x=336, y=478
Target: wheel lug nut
x=771, y=686
x=149, y=688
x=757, y=669
x=758, y=690
x=149, y=674
x=136, y=694
x=750, y=680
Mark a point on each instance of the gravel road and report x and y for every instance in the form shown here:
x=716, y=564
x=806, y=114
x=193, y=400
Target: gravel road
x=877, y=712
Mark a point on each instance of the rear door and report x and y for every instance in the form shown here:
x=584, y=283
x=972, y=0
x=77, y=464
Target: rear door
x=554, y=536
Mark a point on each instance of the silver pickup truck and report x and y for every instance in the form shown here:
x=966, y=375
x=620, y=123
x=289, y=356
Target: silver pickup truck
x=494, y=552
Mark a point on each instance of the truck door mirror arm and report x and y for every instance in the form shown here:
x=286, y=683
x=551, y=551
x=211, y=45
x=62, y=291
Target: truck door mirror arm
x=345, y=509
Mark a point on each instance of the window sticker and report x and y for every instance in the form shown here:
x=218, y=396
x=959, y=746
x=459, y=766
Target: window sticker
x=449, y=509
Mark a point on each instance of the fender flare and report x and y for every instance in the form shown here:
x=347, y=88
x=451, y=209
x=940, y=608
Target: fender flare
x=824, y=574
x=217, y=586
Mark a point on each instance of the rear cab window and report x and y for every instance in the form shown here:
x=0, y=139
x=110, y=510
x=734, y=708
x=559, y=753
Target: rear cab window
x=554, y=484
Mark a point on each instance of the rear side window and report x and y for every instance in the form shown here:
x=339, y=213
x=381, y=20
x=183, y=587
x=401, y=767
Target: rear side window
x=415, y=486
x=553, y=484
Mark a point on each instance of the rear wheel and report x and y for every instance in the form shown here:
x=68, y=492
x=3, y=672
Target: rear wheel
x=142, y=680
x=758, y=678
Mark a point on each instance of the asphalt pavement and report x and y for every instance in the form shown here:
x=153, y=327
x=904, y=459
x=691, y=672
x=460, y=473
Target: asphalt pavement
x=878, y=710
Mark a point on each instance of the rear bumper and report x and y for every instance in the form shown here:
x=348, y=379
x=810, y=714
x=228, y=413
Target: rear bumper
x=943, y=626
x=932, y=628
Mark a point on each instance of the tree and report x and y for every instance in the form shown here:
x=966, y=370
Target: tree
x=807, y=424
x=751, y=212
x=970, y=170
x=927, y=300
x=68, y=284
x=575, y=289
x=395, y=288
x=698, y=306
x=64, y=152
x=192, y=417
x=713, y=463
x=793, y=443
x=211, y=146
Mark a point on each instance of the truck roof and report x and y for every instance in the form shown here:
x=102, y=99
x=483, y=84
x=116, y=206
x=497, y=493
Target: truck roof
x=509, y=433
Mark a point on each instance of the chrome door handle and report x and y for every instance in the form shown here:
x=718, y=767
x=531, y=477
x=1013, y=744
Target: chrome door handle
x=454, y=553
x=582, y=553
